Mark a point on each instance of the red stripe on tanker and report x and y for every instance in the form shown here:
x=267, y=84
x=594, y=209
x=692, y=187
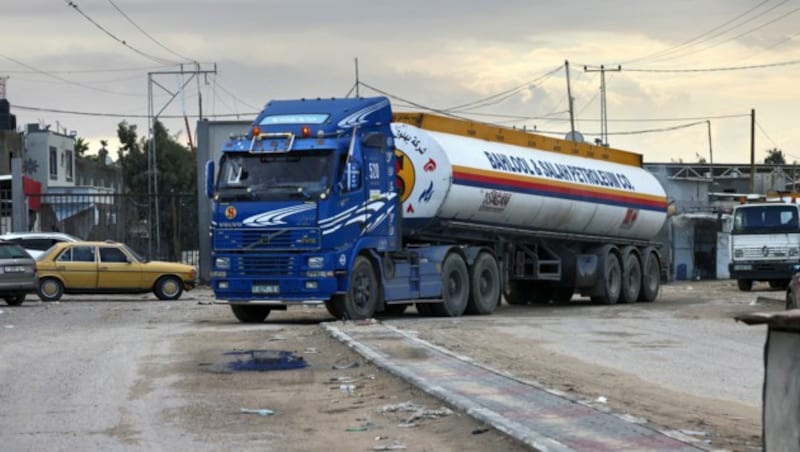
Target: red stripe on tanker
x=448, y=176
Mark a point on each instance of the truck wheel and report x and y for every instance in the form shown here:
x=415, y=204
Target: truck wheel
x=250, y=314
x=455, y=287
x=745, y=285
x=16, y=299
x=516, y=293
x=651, y=277
x=362, y=296
x=333, y=305
x=484, y=285
x=612, y=280
x=631, y=279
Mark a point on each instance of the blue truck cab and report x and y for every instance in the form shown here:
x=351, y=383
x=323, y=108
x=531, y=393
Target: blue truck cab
x=303, y=206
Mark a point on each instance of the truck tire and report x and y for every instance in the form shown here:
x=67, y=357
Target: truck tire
x=250, y=313
x=651, y=277
x=455, y=287
x=631, y=278
x=612, y=280
x=333, y=305
x=745, y=285
x=516, y=293
x=361, y=299
x=484, y=280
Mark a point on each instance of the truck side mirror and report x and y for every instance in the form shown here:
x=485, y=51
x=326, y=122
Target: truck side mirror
x=210, y=179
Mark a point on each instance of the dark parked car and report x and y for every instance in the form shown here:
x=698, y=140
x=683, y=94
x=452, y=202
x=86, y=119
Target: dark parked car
x=17, y=273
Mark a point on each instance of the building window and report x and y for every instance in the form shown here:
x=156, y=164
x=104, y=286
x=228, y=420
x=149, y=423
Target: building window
x=53, y=162
x=68, y=156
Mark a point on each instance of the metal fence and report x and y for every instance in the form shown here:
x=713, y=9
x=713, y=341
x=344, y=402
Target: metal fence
x=159, y=227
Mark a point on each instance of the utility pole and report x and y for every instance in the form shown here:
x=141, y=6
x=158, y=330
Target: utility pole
x=357, y=81
x=571, y=109
x=153, y=219
x=710, y=155
x=752, y=150
x=603, y=112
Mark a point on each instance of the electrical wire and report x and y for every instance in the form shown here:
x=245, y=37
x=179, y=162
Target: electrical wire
x=64, y=80
x=735, y=37
x=673, y=49
x=156, y=59
x=718, y=69
x=124, y=115
x=148, y=35
x=89, y=71
x=497, y=98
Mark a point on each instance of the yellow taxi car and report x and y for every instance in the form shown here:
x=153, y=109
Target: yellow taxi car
x=108, y=267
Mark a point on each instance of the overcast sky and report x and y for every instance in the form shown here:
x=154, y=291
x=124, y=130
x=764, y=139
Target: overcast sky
x=503, y=59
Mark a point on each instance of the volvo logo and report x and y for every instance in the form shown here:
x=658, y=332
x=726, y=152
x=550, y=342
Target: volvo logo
x=765, y=251
x=230, y=212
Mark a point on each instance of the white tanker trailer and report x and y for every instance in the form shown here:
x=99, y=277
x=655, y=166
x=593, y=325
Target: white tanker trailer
x=556, y=221
x=339, y=201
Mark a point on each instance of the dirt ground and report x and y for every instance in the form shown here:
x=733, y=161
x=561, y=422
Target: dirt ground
x=137, y=374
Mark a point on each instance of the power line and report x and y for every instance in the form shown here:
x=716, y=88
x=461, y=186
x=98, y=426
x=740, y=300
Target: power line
x=685, y=43
x=62, y=79
x=503, y=95
x=739, y=35
x=147, y=34
x=123, y=115
x=114, y=37
x=719, y=69
x=88, y=71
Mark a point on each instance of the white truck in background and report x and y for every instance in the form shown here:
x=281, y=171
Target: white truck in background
x=765, y=241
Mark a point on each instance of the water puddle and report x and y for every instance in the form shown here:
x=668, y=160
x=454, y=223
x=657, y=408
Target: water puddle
x=265, y=360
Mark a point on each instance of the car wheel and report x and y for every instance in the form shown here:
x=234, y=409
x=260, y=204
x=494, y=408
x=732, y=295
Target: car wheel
x=50, y=289
x=168, y=288
x=16, y=299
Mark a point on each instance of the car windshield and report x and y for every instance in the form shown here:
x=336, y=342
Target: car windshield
x=766, y=219
x=294, y=175
x=133, y=253
x=12, y=251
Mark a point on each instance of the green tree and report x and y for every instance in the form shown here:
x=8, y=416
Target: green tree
x=775, y=157
x=81, y=146
x=176, y=176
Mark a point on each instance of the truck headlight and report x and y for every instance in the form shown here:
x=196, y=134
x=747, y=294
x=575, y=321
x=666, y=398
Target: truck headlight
x=316, y=262
x=793, y=252
x=222, y=263
x=738, y=253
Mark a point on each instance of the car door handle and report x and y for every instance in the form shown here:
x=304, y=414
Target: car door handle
x=103, y=268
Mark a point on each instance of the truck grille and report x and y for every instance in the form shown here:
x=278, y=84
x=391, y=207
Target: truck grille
x=274, y=239
x=764, y=252
x=270, y=266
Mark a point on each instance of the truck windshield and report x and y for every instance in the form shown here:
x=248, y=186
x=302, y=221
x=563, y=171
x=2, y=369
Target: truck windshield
x=765, y=219
x=294, y=175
